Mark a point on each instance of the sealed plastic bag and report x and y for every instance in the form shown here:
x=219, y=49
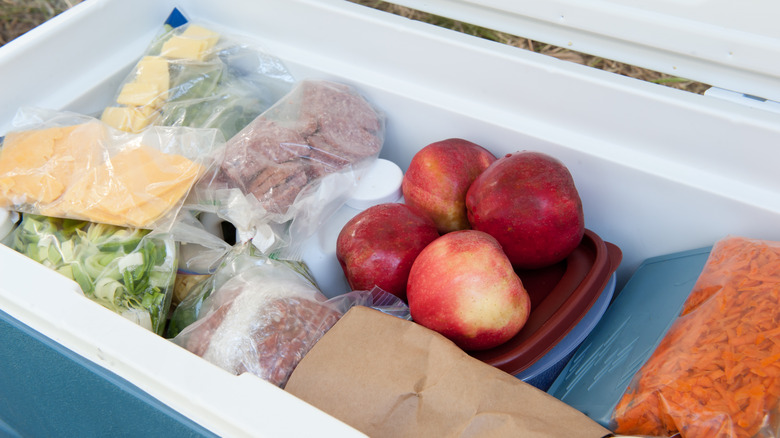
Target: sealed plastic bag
x=716, y=372
x=130, y=271
x=195, y=76
x=201, y=252
x=72, y=166
x=266, y=318
x=294, y=165
x=236, y=259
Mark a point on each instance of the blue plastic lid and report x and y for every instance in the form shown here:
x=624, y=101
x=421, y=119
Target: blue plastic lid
x=598, y=374
x=543, y=372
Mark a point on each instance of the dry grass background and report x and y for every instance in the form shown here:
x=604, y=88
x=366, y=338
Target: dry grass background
x=19, y=16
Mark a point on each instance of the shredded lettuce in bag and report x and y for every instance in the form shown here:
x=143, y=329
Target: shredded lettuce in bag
x=128, y=270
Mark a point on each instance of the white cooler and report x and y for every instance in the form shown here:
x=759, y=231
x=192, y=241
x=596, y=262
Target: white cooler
x=659, y=170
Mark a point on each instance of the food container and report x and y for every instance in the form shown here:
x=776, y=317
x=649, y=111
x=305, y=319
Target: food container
x=544, y=371
x=562, y=296
x=380, y=184
x=659, y=170
x=599, y=372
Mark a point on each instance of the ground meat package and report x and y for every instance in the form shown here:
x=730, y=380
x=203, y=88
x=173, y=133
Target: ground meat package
x=294, y=165
x=267, y=317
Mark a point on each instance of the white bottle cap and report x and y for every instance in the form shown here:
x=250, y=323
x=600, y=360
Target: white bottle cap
x=380, y=184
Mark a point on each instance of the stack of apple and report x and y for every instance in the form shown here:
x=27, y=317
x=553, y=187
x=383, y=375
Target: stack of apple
x=467, y=222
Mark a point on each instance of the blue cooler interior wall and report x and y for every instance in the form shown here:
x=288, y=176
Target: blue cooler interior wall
x=48, y=390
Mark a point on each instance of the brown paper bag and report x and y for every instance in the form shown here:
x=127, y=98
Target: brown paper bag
x=389, y=377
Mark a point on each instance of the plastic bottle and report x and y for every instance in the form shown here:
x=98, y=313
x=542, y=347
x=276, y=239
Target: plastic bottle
x=381, y=184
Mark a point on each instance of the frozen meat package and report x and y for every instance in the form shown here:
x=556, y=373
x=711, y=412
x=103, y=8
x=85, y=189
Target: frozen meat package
x=291, y=167
x=261, y=316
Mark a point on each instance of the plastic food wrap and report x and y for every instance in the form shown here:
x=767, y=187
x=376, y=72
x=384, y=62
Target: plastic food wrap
x=295, y=164
x=237, y=259
x=130, y=271
x=194, y=76
x=264, y=319
x=716, y=372
x=68, y=165
x=201, y=252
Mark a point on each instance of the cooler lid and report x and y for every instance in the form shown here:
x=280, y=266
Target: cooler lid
x=722, y=43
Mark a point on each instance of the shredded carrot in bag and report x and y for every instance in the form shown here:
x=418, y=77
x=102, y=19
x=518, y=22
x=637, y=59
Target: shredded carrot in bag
x=716, y=373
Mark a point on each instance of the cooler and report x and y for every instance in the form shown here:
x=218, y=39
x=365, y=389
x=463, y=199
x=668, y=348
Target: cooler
x=659, y=170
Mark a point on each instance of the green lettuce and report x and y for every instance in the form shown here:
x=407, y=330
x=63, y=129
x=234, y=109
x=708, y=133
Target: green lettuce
x=130, y=271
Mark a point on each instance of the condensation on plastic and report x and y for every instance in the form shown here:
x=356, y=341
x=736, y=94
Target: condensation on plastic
x=281, y=176
x=68, y=165
x=267, y=316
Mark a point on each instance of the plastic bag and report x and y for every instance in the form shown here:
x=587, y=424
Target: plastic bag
x=266, y=318
x=130, y=271
x=68, y=165
x=195, y=76
x=239, y=258
x=201, y=252
x=294, y=165
x=716, y=372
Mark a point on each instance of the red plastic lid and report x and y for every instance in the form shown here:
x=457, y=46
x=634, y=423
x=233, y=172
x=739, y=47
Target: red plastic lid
x=561, y=295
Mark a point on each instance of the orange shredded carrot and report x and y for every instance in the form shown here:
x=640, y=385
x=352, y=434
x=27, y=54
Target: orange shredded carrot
x=716, y=373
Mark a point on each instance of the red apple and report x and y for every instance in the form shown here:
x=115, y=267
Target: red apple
x=463, y=286
x=529, y=203
x=439, y=176
x=378, y=245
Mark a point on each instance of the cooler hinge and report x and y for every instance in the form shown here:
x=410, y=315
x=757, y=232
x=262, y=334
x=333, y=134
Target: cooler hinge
x=745, y=99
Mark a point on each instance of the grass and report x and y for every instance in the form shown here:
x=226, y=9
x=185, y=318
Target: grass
x=546, y=49
x=19, y=16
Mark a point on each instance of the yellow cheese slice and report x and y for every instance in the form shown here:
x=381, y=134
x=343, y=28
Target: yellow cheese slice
x=154, y=70
x=194, y=43
x=178, y=47
x=64, y=173
x=142, y=94
x=199, y=32
x=129, y=118
x=136, y=188
x=36, y=166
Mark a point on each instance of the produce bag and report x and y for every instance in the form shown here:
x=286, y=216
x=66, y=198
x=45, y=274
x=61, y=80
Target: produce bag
x=293, y=166
x=716, y=372
x=130, y=271
x=266, y=318
x=68, y=165
x=192, y=75
x=388, y=377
